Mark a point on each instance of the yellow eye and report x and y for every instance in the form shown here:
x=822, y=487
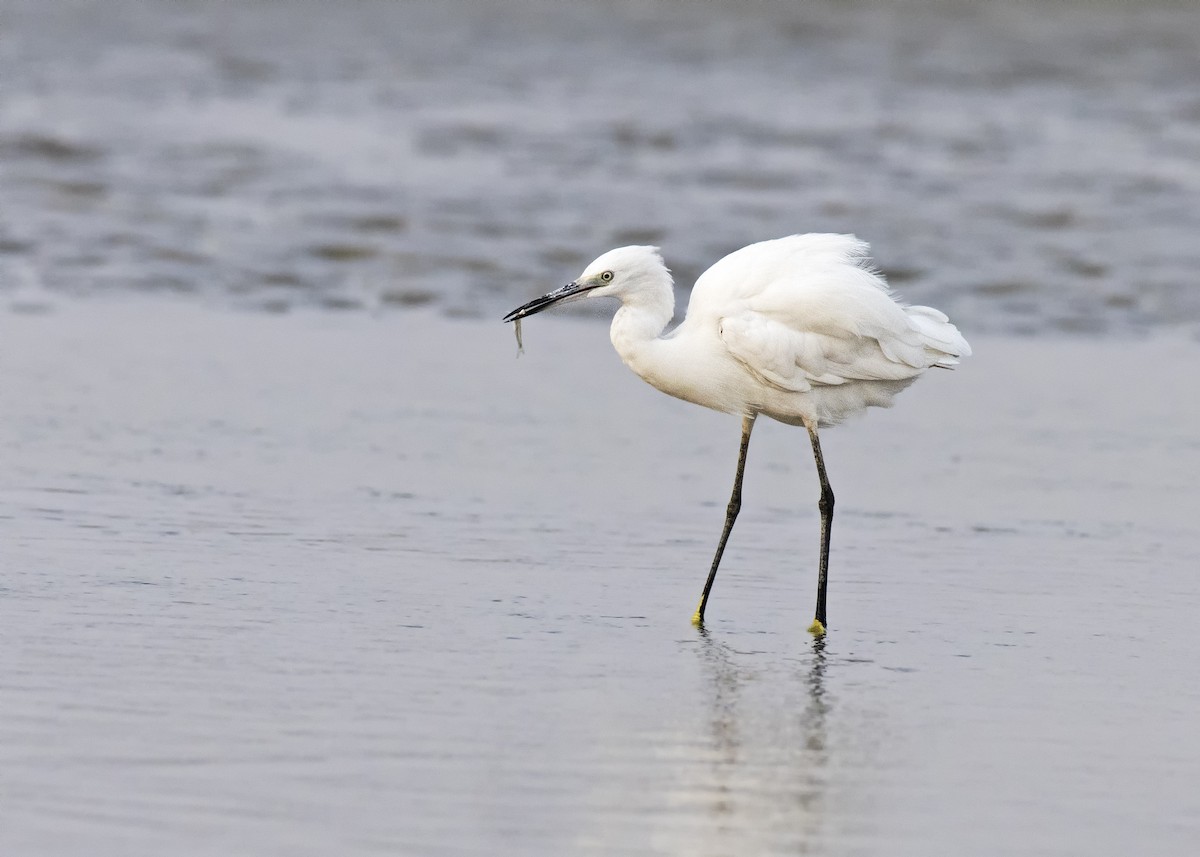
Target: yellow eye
x=607, y=276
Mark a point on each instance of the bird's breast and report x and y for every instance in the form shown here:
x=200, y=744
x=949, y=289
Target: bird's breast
x=679, y=368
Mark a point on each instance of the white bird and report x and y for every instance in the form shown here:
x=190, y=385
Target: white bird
x=802, y=329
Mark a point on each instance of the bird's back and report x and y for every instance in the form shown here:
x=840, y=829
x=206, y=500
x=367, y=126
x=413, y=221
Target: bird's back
x=817, y=327
x=786, y=272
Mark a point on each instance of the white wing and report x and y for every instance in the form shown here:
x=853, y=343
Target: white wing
x=807, y=311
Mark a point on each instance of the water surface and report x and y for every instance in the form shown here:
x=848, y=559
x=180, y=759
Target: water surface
x=263, y=592
x=1026, y=168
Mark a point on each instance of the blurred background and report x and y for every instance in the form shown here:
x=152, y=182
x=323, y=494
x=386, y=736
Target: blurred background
x=1025, y=167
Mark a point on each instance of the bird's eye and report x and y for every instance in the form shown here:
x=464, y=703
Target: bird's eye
x=607, y=276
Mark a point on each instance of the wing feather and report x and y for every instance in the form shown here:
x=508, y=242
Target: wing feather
x=797, y=360
x=808, y=311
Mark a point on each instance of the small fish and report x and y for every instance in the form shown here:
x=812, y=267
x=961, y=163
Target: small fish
x=520, y=345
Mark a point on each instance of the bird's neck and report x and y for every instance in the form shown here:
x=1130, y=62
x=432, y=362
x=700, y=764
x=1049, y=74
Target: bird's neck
x=636, y=329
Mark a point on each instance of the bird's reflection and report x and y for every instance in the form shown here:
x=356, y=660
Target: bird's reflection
x=817, y=709
x=770, y=742
x=726, y=678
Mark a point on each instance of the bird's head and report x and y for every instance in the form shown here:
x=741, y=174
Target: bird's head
x=625, y=273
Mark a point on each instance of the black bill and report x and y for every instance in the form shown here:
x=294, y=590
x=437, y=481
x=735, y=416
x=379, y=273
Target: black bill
x=566, y=293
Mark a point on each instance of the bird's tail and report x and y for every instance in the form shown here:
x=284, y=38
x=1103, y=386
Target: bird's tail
x=942, y=339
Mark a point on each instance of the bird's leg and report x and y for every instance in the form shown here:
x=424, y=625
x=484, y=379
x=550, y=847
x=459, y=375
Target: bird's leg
x=731, y=513
x=825, y=504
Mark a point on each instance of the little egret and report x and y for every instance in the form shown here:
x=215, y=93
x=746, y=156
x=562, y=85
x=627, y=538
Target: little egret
x=802, y=329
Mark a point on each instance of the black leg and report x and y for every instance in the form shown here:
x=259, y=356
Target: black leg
x=731, y=513
x=825, y=504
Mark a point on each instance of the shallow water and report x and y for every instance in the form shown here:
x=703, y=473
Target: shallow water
x=318, y=583
x=1025, y=167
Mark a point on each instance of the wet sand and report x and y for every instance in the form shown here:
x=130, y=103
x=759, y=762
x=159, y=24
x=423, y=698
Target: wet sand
x=335, y=583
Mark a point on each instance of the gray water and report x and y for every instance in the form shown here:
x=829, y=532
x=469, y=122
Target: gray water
x=349, y=579
x=1026, y=167
x=319, y=584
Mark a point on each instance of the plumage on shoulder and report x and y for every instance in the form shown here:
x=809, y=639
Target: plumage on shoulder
x=757, y=268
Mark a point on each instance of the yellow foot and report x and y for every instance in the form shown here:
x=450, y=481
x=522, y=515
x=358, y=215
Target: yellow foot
x=817, y=629
x=697, y=619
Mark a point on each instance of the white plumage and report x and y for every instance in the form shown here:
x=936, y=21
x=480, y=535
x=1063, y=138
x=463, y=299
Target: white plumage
x=801, y=329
